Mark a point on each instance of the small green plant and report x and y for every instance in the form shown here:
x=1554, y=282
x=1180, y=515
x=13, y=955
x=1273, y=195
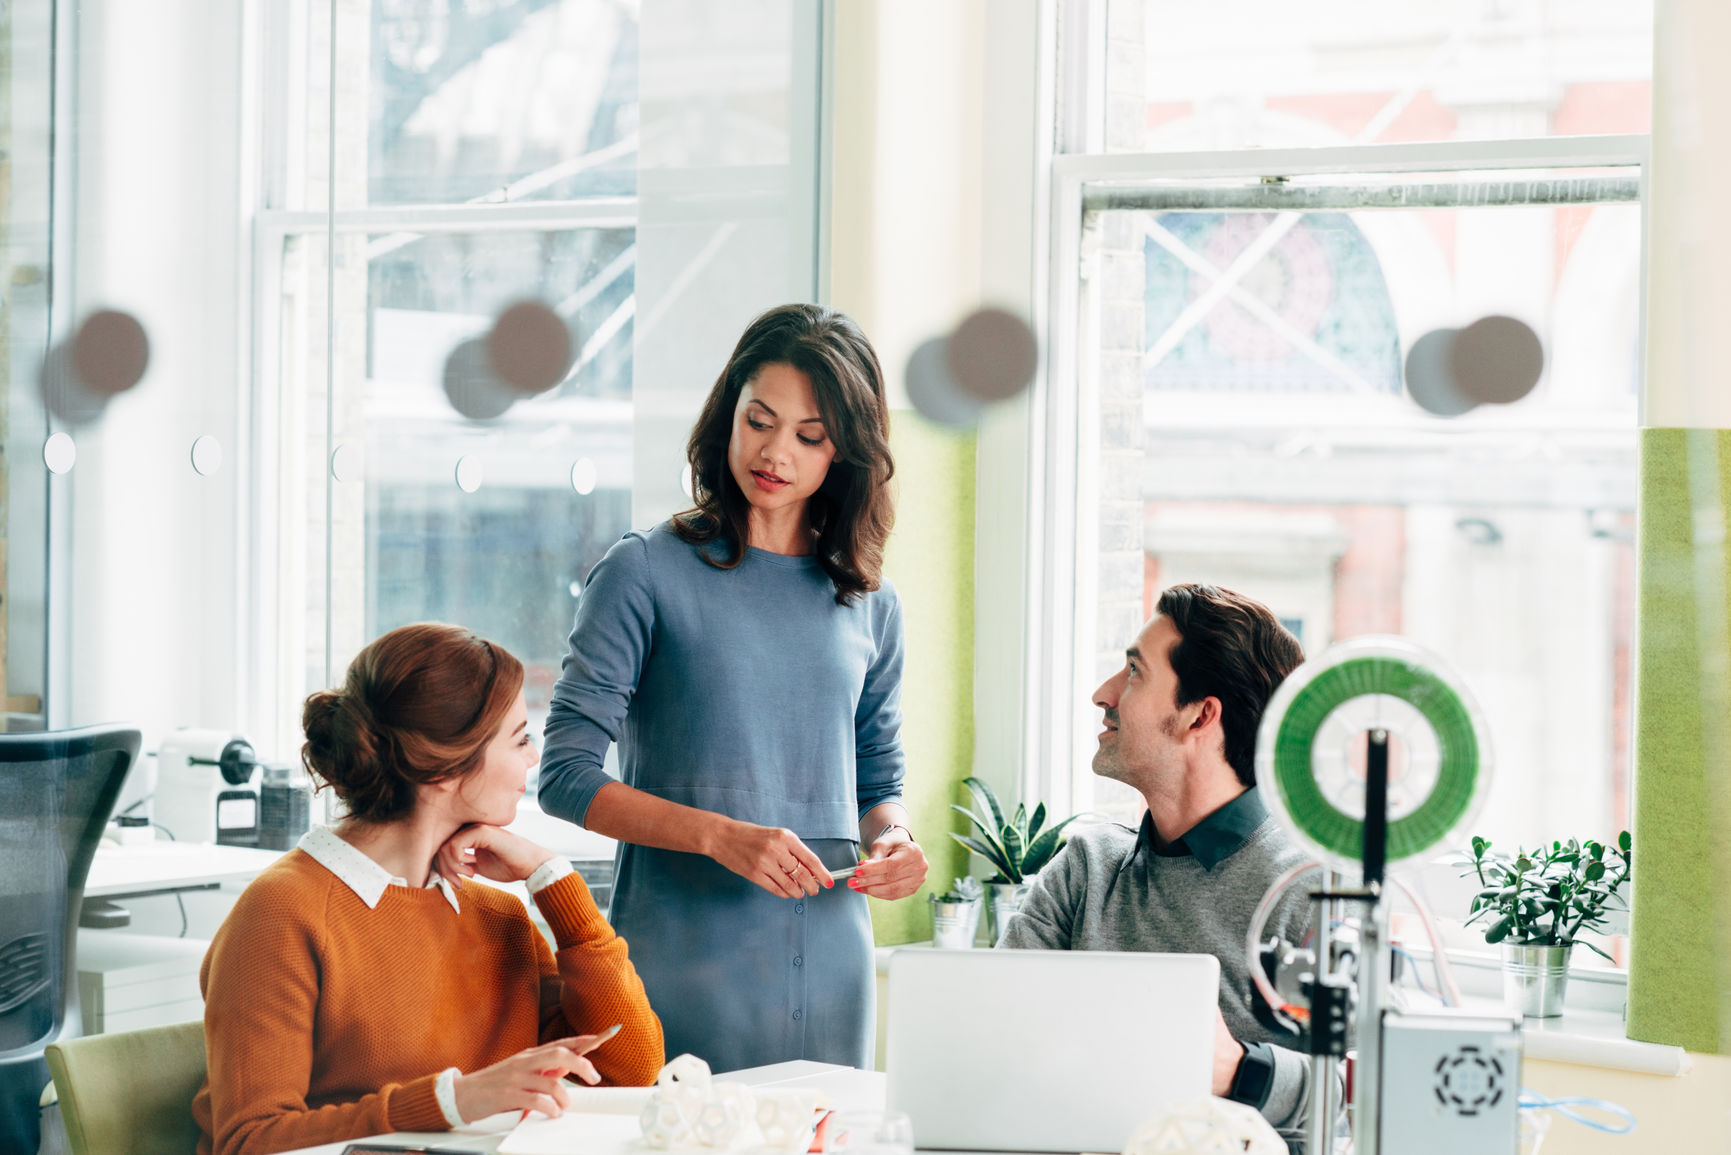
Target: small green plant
x=964, y=890
x=1548, y=896
x=1018, y=847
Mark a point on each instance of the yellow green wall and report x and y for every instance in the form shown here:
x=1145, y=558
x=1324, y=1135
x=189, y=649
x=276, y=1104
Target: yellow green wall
x=931, y=561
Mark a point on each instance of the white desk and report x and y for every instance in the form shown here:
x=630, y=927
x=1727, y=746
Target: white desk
x=166, y=867
x=848, y=1089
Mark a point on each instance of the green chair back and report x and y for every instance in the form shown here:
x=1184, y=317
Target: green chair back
x=130, y=1093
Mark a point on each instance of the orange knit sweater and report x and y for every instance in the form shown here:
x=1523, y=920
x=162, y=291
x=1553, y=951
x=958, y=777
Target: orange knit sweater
x=327, y=1021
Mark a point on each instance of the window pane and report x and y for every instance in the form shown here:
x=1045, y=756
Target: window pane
x=1203, y=75
x=26, y=146
x=1254, y=431
x=501, y=99
x=508, y=558
x=503, y=546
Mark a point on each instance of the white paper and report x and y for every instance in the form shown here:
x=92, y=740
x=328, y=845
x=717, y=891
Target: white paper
x=572, y=1132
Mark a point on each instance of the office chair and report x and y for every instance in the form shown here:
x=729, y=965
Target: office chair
x=57, y=791
x=130, y=1093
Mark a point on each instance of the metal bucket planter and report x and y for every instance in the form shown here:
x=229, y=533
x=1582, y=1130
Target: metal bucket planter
x=954, y=923
x=1006, y=899
x=1534, y=979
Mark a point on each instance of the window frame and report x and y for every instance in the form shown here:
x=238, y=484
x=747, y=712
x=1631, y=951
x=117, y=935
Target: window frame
x=1066, y=482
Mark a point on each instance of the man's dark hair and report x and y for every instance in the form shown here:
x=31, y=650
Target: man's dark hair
x=1234, y=649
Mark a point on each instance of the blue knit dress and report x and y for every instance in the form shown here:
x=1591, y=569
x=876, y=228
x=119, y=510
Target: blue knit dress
x=749, y=692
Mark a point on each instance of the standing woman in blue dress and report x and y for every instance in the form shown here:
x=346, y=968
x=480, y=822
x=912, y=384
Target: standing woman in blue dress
x=747, y=657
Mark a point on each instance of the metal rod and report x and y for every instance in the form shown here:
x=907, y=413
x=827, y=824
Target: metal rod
x=1288, y=196
x=1375, y=807
x=1320, y=1124
x=1367, y=1078
x=1367, y=1082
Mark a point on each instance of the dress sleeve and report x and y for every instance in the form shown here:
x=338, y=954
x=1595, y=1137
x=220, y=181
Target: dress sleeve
x=590, y=984
x=608, y=646
x=261, y=993
x=878, y=757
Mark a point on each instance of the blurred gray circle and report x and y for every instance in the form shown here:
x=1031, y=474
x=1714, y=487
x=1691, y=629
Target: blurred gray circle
x=472, y=387
x=1497, y=360
x=1429, y=379
x=529, y=347
x=934, y=393
x=993, y=354
x=110, y=352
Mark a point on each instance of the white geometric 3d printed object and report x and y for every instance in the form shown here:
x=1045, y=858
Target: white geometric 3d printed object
x=689, y=1109
x=1206, y=1127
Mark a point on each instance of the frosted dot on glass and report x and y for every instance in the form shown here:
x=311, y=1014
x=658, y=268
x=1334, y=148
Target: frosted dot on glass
x=346, y=463
x=206, y=455
x=583, y=476
x=59, y=453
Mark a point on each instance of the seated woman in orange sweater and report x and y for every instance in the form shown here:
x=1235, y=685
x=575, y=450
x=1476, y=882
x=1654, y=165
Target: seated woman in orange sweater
x=355, y=989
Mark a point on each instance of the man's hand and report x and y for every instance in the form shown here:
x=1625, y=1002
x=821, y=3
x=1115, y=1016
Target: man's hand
x=1228, y=1053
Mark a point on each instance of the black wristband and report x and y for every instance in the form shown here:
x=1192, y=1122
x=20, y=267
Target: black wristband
x=1253, y=1082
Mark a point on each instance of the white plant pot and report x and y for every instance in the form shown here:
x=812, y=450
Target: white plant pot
x=954, y=923
x=1535, y=978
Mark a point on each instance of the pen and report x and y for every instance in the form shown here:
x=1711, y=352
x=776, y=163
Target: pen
x=844, y=872
x=600, y=1037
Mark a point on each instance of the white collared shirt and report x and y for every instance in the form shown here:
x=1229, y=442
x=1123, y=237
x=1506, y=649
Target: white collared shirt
x=368, y=880
x=358, y=872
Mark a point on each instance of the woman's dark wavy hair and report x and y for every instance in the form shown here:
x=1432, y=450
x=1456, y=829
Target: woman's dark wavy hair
x=852, y=510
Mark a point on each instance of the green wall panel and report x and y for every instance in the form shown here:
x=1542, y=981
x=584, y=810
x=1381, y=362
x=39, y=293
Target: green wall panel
x=931, y=561
x=1675, y=972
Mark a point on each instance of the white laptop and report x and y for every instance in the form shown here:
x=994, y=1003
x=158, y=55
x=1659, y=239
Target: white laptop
x=1032, y=1050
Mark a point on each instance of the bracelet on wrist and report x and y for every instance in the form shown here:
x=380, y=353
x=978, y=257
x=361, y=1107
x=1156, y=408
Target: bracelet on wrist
x=893, y=826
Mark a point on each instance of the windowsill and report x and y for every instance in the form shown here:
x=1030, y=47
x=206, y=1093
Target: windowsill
x=1590, y=1032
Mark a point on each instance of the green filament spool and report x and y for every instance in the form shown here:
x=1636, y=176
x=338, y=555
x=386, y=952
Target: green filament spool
x=1310, y=749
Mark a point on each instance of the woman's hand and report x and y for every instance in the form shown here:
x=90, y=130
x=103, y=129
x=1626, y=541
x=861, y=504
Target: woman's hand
x=895, y=869
x=531, y=1080
x=491, y=852
x=772, y=857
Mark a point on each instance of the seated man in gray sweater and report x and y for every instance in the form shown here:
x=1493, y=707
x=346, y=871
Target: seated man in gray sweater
x=1180, y=727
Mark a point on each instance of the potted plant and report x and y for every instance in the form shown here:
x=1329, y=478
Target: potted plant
x=1017, y=847
x=956, y=914
x=1536, y=904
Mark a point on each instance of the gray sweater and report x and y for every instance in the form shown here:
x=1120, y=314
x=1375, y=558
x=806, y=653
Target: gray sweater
x=1110, y=890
